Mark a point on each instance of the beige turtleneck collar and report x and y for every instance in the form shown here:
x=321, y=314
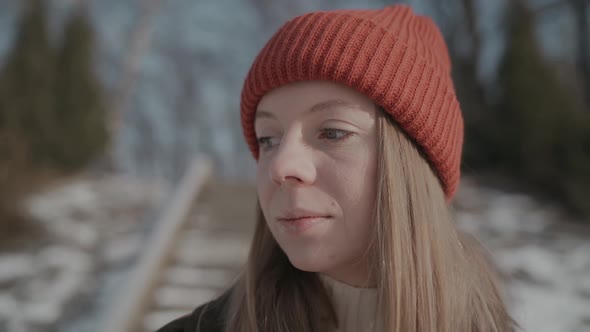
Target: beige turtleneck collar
x=356, y=308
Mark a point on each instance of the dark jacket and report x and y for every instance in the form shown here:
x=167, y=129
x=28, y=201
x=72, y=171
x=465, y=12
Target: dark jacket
x=209, y=317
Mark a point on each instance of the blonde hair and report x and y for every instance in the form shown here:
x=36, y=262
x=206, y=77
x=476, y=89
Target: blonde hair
x=431, y=277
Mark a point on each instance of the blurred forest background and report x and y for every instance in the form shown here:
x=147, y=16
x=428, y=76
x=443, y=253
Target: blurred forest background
x=140, y=86
x=69, y=101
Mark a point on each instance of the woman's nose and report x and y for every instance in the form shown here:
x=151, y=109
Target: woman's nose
x=292, y=163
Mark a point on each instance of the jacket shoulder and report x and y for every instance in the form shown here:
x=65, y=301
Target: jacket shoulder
x=209, y=317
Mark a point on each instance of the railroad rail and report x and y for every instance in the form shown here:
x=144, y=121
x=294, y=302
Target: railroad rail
x=195, y=252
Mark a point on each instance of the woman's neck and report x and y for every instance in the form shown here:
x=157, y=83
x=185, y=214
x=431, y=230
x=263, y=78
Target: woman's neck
x=355, y=276
x=356, y=308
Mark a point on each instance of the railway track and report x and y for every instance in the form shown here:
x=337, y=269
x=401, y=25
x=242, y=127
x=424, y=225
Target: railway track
x=196, y=251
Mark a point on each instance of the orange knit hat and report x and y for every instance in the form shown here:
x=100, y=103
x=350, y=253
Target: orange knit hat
x=393, y=56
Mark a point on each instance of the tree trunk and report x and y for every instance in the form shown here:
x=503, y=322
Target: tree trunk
x=139, y=41
x=583, y=57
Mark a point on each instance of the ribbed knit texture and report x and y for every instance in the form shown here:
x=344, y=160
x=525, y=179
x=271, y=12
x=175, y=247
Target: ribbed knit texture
x=357, y=309
x=393, y=56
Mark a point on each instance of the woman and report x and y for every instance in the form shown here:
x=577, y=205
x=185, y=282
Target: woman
x=353, y=120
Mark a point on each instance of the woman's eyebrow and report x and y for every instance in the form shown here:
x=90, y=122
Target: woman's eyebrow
x=330, y=104
x=321, y=106
x=260, y=114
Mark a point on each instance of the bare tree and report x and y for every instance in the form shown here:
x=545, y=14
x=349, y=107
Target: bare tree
x=184, y=106
x=139, y=41
x=580, y=10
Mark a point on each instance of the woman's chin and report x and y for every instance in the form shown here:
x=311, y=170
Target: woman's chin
x=308, y=264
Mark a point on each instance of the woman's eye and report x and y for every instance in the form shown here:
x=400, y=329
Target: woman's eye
x=267, y=142
x=334, y=134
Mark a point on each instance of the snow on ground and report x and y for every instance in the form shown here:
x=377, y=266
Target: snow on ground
x=545, y=258
x=96, y=226
x=93, y=224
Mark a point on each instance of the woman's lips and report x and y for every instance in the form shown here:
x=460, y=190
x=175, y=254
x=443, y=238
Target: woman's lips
x=299, y=218
x=301, y=224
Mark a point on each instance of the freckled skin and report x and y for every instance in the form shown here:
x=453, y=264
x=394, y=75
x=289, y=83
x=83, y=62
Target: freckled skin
x=322, y=161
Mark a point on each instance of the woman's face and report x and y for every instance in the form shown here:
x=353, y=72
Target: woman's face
x=316, y=175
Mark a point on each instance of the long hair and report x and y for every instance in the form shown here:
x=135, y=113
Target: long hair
x=431, y=277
